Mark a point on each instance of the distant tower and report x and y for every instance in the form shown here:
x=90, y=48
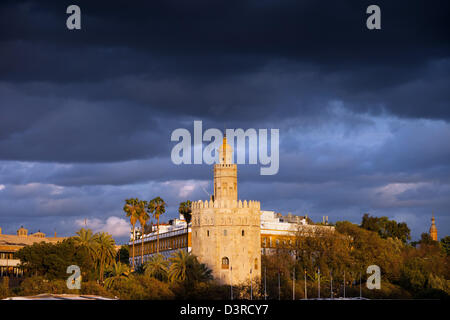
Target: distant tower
x=433, y=229
x=226, y=231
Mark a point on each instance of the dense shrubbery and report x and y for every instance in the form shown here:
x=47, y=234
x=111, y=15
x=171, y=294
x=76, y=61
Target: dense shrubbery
x=4, y=288
x=407, y=271
x=140, y=287
x=51, y=260
x=103, y=273
x=386, y=228
x=38, y=284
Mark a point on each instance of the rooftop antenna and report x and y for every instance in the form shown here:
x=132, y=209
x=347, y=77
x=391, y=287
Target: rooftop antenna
x=206, y=191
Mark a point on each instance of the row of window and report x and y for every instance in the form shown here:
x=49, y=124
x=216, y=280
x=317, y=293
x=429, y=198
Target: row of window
x=6, y=255
x=226, y=263
x=11, y=272
x=206, y=221
x=224, y=233
x=268, y=242
x=165, y=244
x=224, y=190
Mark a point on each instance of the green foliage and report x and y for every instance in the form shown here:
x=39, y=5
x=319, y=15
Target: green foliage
x=142, y=213
x=414, y=274
x=369, y=248
x=37, y=285
x=406, y=271
x=386, y=228
x=94, y=288
x=445, y=243
x=140, y=287
x=156, y=207
x=85, y=238
x=51, y=260
x=325, y=251
x=91, y=252
x=436, y=282
x=186, y=209
x=105, y=251
x=4, y=288
x=425, y=239
x=184, y=267
x=115, y=273
x=123, y=255
x=157, y=267
x=131, y=209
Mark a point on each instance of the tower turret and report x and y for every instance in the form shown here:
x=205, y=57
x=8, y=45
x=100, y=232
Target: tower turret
x=225, y=174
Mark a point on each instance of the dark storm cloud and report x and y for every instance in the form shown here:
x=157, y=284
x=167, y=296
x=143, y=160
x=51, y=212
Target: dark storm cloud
x=86, y=116
x=213, y=42
x=50, y=129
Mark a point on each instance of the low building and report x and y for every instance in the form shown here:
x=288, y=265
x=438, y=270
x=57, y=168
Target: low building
x=173, y=236
x=280, y=231
x=11, y=243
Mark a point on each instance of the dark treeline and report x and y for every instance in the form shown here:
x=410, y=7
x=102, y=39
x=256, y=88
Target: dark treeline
x=417, y=270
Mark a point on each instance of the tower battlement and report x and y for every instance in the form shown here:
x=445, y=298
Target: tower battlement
x=226, y=204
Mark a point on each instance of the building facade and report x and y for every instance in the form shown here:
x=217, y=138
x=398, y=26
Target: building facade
x=173, y=236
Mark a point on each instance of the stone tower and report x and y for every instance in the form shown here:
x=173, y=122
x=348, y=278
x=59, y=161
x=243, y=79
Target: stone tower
x=225, y=230
x=433, y=230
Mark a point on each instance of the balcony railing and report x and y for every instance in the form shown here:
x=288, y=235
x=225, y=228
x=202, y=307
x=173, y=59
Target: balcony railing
x=162, y=235
x=9, y=262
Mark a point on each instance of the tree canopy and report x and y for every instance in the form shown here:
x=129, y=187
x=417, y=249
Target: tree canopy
x=386, y=228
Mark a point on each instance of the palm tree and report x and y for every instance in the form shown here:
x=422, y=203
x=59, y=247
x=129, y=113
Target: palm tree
x=143, y=217
x=186, y=209
x=85, y=238
x=157, y=207
x=105, y=251
x=116, y=273
x=179, y=264
x=185, y=267
x=157, y=267
x=131, y=209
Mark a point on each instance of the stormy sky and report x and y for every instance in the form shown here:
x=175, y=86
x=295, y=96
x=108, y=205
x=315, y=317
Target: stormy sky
x=86, y=115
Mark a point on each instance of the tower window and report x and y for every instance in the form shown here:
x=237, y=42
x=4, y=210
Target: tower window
x=225, y=263
x=207, y=232
x=243, y=233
